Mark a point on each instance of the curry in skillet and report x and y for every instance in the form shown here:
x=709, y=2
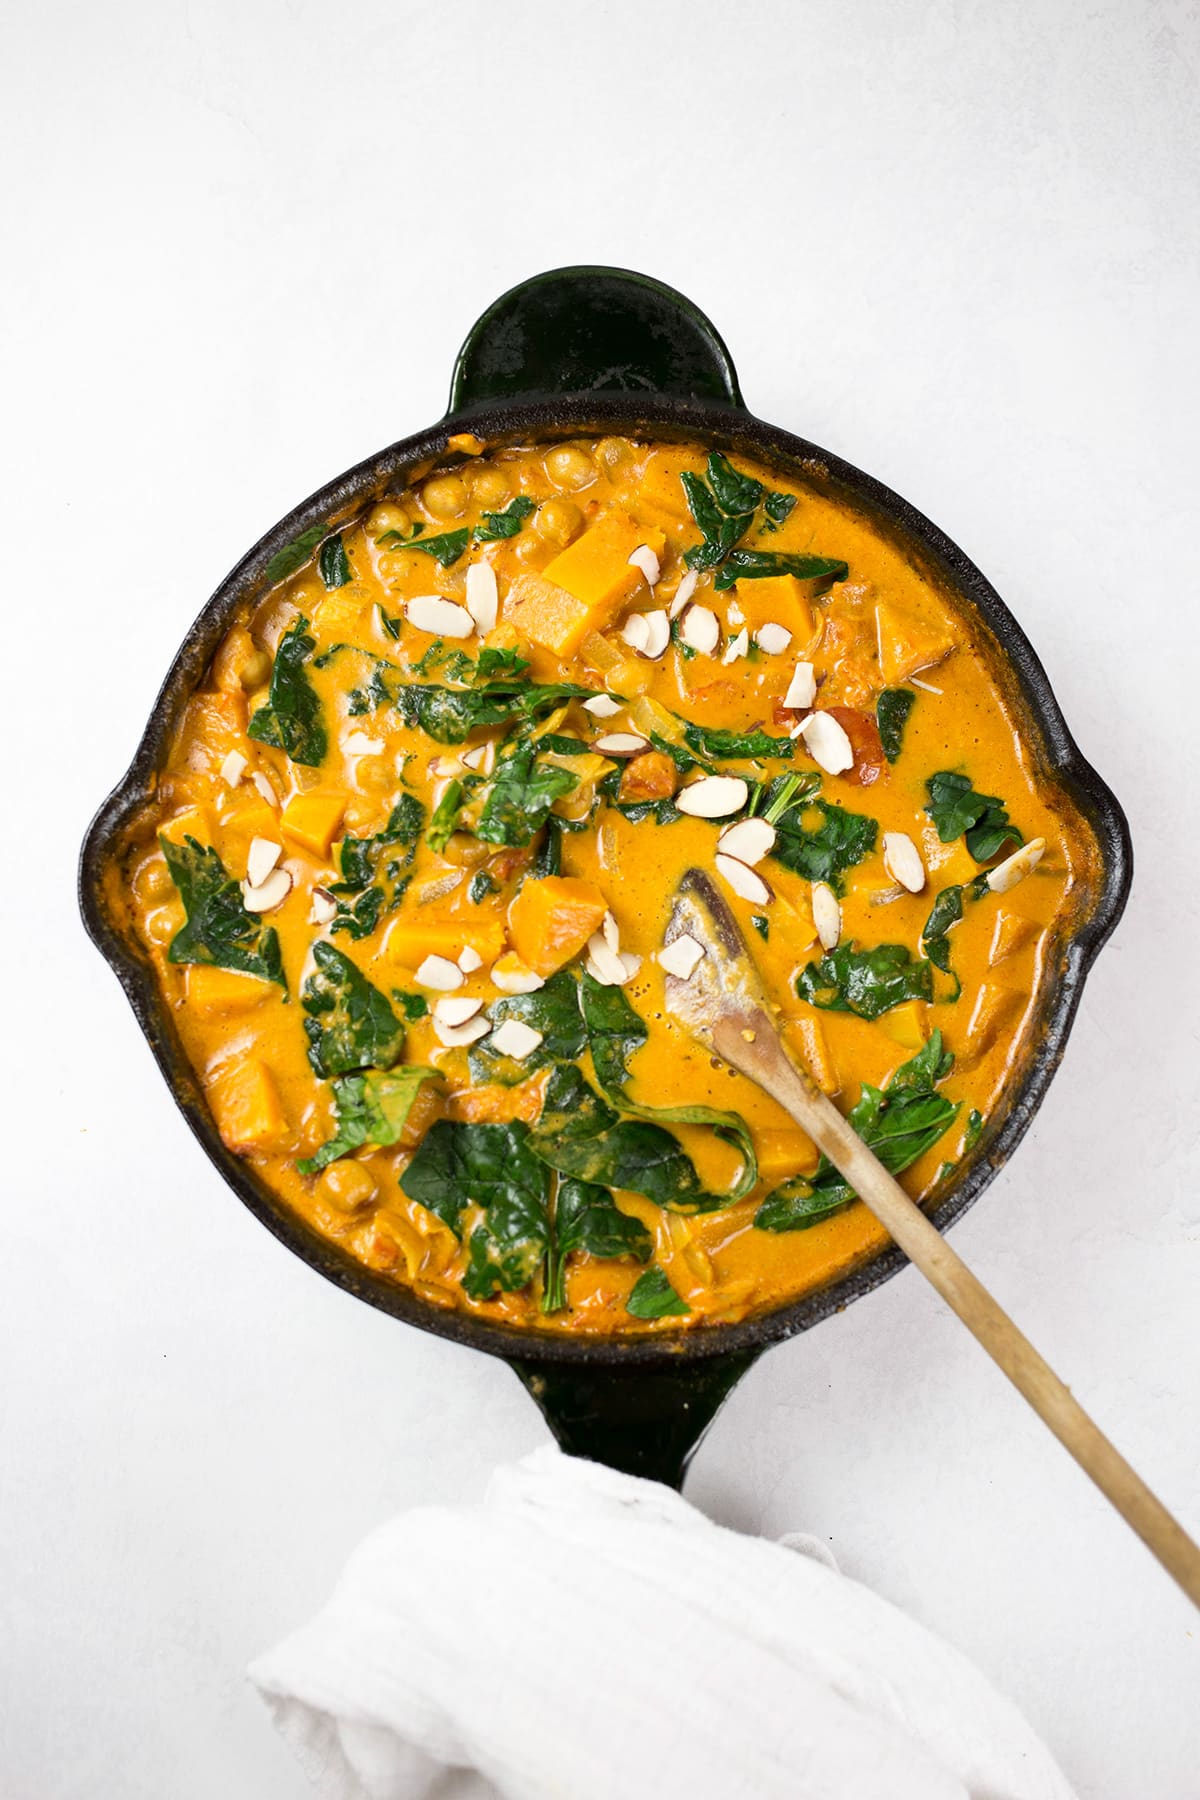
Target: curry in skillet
x=406, y=870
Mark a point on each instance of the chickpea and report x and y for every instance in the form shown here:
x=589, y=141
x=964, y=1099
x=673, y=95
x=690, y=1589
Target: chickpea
x=528, y=547
x=152, y=881
x=374, y=774
x=163, y=923
x=558, y=521
x=569, y=467
x=387, y=516
x=613, y=453
x=360, y=817
x=255, y=670
x=347, y=1185
x=489, y=486
x=465, y=851
x=445, y=496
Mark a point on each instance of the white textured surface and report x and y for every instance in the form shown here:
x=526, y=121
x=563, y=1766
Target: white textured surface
x=956, y=243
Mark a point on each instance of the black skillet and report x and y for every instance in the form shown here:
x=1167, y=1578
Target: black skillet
x=594, y=350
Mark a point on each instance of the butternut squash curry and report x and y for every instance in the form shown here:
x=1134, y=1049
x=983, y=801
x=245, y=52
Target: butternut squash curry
x=406, y=870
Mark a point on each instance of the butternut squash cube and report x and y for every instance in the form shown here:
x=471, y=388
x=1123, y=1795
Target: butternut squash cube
x=660, y=485
x=779, y=600
x=312, y=819
x=410, y=940
x=783, y=1152
x=246, y=1106
x=222, y=990
x=908, y=644
x=551, y=920
x=194, y=823
x=905, y=1024
x=1011, y=934
x=339, y=614
x=997, y=1009
x=581, y=589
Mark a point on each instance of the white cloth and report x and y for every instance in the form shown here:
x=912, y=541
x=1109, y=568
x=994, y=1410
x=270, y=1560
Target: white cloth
x=584, y=1635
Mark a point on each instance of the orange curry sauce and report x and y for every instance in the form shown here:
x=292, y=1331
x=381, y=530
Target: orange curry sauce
x=571, y=883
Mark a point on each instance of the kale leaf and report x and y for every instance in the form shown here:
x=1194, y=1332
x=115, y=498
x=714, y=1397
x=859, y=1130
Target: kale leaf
x=821, y=852
x=587, y=1218
x=520, y=796
x=755, y=565
x=378, y=883
x=369, y=1109
x=891, y=716
x=899, y=1123
x=445, y=548
x=506, y=524
x=293, y=556
x=552, y=1009
x=653, y=1297
x=724, y=507
x=333, y=562
x=947, y=910
x=218, y=931
x=729, y=746
x=350, y=1024
x=958, y=811
x=292, y=719
x=867, y=983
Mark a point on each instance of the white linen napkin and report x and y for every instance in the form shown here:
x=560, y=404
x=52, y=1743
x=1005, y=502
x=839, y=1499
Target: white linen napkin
x=585, y=1635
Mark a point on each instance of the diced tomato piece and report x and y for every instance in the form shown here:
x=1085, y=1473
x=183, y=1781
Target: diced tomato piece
x=863, y=732
x=651, y=776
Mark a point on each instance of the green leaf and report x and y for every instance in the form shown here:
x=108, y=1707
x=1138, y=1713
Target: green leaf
x=520, y=796
x=735, y=493
x=293, y=556
x=454, y=663
x=974, y=1128
x=891, y=716
x=899, y=1123
x=958, y=811
x=292, y=719
x=494, y=662
x=445, y=548
x=350, y=1024
x=615, y=1033
x=449, y=715
x=552, y=1009
x=458, y=1165
x=445, y=816
x=762, y=925
x=333, y=562
x=730, y=746
x=480, y=886
x=376, y=879
x=867, y=983
x=369, y=1109
x=653, y=1297
x=587, y=1218
x=821, y=851
x=506, y=524
x=777, y=509
x=218, y=931
x=413, y=1006
x=756, y=565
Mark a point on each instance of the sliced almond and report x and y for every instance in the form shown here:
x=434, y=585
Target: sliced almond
x=772, y=638
x=604, y=964
x=1016, y=867
x=700, y=629
x=469, y=960
x=233, y=768
x=361, y=743
x=682, y=956
x=621, y=743
x=322, y=907
x=713, y=797
x=902, y=860
x=441, y=618
x=456, y=1010
x=481, y=758
x=602, y=706
x=261, y=858
x=266, y=791
x=636, y=632
x=510, y=975
x=611, y=931
x=737, y=647
x=748, y=841
x=827, y=743
x=802, y=689
x=735, y=615
x=482, y=596
x=266, y=895
x=643, y=558
x=926, y=685
x=827, y=915
x=744, y=881
x=630, y=964
x=658, y=634
x=456, y=1037
x=683, y=593
x=439, y=973
x=515, y=1038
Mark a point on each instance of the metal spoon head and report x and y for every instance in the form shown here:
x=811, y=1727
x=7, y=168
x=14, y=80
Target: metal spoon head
x=725, y=983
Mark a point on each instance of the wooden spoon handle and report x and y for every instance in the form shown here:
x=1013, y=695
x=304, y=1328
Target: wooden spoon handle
x=762, y=1057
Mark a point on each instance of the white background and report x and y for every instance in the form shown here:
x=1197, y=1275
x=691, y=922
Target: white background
x=243, y=241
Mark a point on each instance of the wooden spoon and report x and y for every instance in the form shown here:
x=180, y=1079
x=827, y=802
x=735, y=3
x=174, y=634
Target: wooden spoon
x=723, y=1004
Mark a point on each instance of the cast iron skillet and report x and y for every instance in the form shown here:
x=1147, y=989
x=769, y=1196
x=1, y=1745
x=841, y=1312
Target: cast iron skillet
x=601, y=350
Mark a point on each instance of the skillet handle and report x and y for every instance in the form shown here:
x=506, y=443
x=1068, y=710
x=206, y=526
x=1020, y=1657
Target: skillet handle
x=642, y=1420
x=589, y=331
